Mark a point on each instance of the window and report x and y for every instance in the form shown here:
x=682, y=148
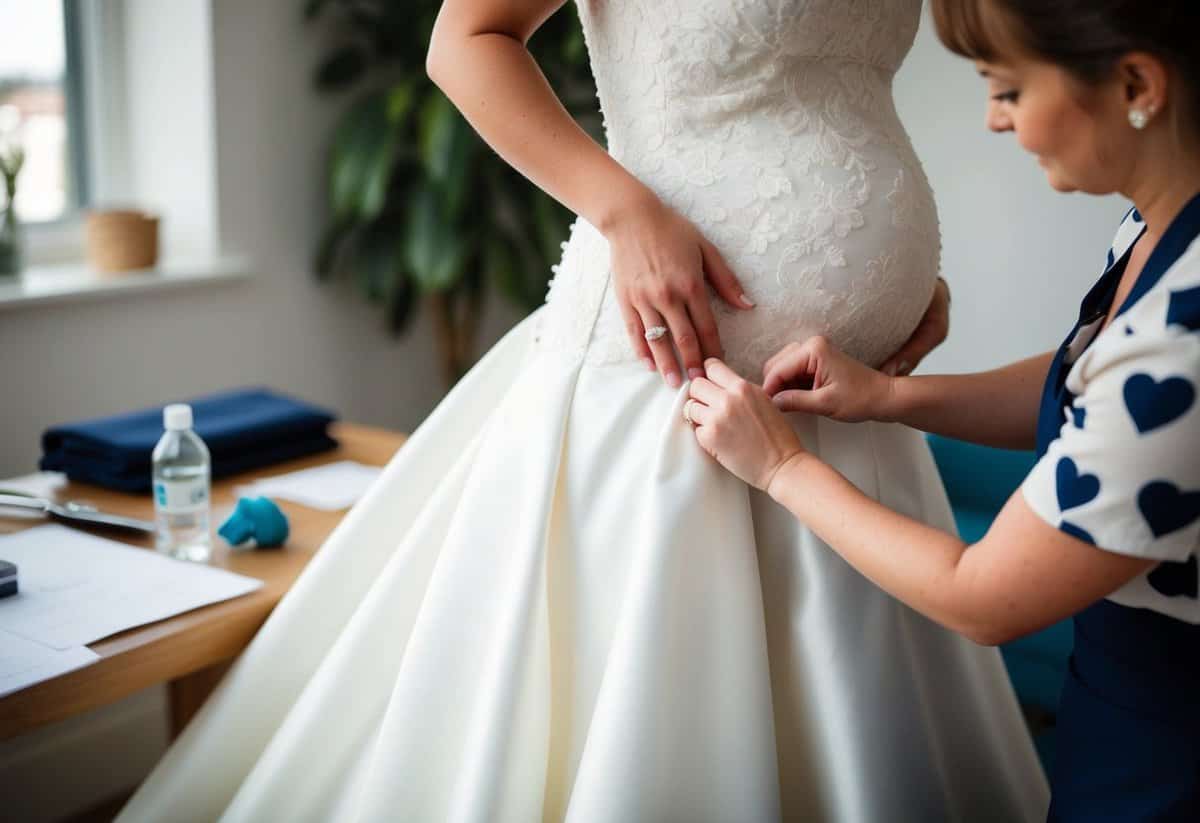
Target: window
x=41, y=106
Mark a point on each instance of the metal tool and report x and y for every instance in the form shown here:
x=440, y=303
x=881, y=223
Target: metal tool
x=76, y=513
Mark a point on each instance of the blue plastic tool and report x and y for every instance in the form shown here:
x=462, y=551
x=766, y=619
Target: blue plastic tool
x=258, y=518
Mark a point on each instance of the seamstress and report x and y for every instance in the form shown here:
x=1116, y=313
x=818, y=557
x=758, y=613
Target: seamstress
x=1106, y=95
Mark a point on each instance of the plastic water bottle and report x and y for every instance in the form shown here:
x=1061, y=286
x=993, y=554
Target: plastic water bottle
x=181, y=488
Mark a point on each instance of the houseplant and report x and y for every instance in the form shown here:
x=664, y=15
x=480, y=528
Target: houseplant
x=12, y=158
x=422, y=212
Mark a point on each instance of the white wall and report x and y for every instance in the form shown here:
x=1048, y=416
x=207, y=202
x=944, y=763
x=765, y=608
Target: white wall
x=1018, y=255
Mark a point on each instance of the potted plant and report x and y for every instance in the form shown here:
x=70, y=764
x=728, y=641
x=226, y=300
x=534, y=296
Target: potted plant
x=422, y=212
x=12, y=158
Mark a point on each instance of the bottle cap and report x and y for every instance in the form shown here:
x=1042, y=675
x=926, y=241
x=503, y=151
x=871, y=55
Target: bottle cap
x=177, y=416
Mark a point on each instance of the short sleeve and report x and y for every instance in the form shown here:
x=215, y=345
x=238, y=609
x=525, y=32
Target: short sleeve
x=1124, y=471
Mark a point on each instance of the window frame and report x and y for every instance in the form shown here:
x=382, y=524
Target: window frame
x=94, y=87
x=75, y=93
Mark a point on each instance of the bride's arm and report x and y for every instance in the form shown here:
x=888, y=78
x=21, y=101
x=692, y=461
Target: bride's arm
x=660, y=262
x=478, y=58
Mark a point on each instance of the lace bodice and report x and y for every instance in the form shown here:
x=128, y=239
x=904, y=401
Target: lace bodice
x=770, y=125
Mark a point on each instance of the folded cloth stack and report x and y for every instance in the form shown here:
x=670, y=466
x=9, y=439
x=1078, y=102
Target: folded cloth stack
x=243, y=429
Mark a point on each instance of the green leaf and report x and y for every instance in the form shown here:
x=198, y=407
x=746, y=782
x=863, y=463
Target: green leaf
x=378, y=261
x=501, y=268
x=515, y=225
x=435, y=251
x=341, y=68
x=574, y=48
x=553, y=225
x=332, y=243
x=313, y=7
x=364, y=153
x=401, y=305
x=447, y=144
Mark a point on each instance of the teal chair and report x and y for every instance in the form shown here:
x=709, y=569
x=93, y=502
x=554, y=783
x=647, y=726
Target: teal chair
x=979, y=480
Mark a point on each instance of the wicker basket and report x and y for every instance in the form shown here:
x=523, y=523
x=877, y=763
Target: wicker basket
x=120, y=240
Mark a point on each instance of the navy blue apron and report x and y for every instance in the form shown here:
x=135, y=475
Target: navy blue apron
x=1127, y=744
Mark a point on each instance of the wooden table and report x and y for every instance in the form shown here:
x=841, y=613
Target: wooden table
x=190, y=651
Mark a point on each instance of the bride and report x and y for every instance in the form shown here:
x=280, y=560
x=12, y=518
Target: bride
x=553, y=605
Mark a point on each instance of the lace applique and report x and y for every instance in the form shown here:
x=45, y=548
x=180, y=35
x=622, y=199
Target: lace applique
x=771, y=126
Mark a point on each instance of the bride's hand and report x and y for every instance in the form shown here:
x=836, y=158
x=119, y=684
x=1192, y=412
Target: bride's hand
x=735, y=422
x=660, y=263
x=816, y=378
x=930, y=333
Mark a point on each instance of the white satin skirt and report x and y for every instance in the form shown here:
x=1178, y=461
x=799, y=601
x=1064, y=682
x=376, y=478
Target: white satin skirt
x=554, y=606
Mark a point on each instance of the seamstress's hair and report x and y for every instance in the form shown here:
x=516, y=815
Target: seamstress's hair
x=1086, y=38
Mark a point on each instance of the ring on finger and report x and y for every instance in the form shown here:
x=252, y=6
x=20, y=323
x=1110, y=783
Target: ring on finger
x=655, y=332
x=687, y=411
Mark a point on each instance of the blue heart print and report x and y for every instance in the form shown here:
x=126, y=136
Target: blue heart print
x=1183, y=309
x=1154, y=403
x=1176, y=579
x=1074, y=489
x=1167, y=509
x=1076, y=532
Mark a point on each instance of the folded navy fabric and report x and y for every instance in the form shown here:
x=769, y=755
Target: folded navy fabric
x=244, y=429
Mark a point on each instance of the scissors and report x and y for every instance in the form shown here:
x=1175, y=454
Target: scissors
x=76, y=513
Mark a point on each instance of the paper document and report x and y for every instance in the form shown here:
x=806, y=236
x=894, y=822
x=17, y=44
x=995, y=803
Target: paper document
x=76, y=588
x=329, y=487
x=24, y=662
x=38, y=484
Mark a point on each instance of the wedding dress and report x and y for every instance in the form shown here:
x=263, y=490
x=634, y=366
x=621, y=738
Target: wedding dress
x=553, y=605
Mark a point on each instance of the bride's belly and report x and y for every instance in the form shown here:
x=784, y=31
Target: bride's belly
x=849, y=251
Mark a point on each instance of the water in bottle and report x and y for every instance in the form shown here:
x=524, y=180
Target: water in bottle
x=181, y=488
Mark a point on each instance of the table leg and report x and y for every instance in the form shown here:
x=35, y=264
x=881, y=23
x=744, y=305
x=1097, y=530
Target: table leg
x=188, y=693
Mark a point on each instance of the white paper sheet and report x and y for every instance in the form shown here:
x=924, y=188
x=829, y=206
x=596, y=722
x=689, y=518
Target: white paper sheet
x=330, y=487
x=76, y=588
x=39, y=484
x=24, y=662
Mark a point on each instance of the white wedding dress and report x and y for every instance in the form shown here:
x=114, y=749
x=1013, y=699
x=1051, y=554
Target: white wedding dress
x=554, y=605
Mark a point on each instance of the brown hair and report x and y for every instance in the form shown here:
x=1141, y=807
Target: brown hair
x=1086, y=38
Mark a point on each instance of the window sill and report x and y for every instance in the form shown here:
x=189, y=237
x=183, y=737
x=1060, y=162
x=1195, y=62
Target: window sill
x=40, y=285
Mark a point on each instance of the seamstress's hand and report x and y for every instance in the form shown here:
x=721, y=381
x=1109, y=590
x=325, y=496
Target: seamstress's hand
x=736, y=423
x=816, y=378
x=930, y=333
x=661, y=264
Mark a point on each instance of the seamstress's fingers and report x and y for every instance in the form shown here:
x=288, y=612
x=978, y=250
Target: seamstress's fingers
x=699, y=413
x=705, y=391
x=788, y=354
x=716, y=371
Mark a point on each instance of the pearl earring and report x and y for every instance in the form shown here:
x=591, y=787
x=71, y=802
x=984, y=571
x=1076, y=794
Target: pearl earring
x=1139, y=118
